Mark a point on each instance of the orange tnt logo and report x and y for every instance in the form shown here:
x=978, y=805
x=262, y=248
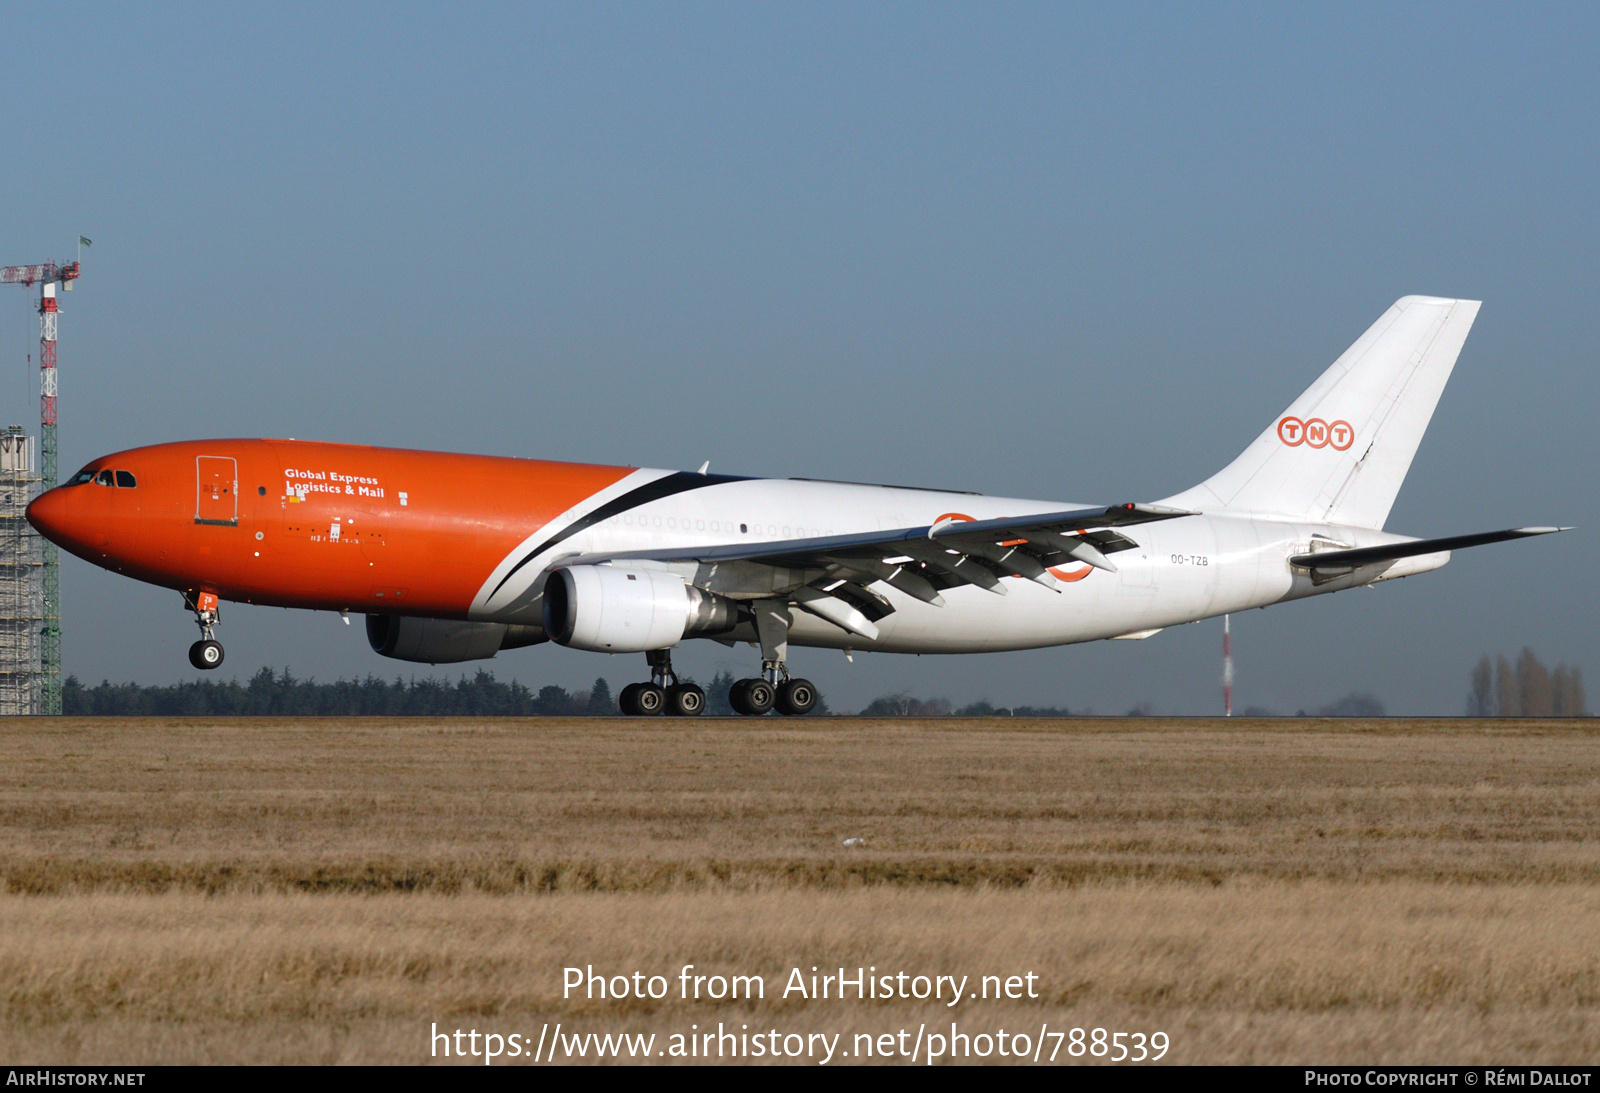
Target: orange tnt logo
x=1078, y=574
x=1316, y=433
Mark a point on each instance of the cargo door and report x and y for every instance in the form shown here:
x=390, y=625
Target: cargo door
x=216, y=490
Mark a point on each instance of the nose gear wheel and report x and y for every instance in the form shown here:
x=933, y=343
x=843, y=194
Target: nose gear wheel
x=206, y=653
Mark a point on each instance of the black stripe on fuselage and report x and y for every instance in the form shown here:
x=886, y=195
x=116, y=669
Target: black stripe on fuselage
x=666, y=486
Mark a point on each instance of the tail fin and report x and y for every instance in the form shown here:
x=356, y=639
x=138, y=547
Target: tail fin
x=1340, y=451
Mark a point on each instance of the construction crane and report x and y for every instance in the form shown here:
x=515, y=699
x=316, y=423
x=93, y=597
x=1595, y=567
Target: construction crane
x=47, y=276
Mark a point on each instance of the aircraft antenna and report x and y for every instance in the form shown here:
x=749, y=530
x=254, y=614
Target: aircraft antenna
x=47, y=275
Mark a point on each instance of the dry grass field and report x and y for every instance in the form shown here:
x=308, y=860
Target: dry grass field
x=1410, y=891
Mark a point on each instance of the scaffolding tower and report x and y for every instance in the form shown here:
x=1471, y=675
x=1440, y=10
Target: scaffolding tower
x=23, y=621
x=47, y=275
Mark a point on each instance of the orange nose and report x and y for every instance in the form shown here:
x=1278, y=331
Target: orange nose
x=51, y=513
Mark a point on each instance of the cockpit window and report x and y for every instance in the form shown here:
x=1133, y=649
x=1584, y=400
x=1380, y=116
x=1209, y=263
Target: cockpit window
x=124, y=479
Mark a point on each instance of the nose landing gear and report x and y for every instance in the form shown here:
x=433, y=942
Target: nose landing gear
x=207, y=652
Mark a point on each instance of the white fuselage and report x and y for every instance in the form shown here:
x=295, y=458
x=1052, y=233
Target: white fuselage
x=1182, y=570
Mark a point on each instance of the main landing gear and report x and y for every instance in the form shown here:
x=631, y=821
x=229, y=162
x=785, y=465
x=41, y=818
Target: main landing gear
x=207, y=652
x=754, y=697
x=663, y=694
x=772, y=690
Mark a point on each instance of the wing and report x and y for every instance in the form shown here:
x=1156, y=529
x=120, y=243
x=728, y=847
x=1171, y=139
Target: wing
x=832, y=577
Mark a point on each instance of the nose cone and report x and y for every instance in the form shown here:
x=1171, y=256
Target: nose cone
x=51, y=514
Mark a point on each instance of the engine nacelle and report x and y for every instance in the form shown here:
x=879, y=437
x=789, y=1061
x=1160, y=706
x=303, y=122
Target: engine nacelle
x=445, y=641
x=609, y=609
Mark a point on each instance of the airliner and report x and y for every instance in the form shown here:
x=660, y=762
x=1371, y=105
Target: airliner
x=456, y=557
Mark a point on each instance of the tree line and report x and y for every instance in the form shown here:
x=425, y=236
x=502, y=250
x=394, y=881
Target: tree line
x=907, y=705
x=279, y=694
x=1527, y=688
x=1498, y=688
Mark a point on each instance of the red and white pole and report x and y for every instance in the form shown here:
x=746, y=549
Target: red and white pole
x=1227, y=669
x=47, y=355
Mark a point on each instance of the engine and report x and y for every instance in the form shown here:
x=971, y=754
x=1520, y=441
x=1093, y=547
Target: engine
x=609, y=609
x=445, y=641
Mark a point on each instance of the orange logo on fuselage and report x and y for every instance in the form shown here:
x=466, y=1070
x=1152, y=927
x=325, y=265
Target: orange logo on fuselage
x=1054, y=571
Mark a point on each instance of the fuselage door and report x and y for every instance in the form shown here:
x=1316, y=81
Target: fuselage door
x=216, y=490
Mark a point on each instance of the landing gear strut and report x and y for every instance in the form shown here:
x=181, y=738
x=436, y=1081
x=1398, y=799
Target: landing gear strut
x=207, y=652
x=663, y=694
x=773, y=689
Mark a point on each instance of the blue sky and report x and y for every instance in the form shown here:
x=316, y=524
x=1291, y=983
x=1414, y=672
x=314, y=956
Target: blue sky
x=1036, y=250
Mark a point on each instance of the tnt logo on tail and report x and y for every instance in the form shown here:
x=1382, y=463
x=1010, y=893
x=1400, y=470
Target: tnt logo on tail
x=1316, y=433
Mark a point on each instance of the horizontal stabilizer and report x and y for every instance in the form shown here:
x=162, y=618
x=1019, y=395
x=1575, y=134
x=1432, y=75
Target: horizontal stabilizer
x=1341, y=559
